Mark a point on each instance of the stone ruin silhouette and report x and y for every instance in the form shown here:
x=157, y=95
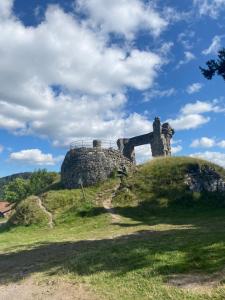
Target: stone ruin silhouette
x=159, y=140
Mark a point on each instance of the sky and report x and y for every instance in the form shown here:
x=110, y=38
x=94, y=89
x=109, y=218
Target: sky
x=87, y=69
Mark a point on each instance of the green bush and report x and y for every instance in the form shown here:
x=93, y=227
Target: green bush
x=18, y=189
x=28, y=212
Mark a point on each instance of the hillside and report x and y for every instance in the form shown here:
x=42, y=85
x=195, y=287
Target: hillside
x=147, y=238
x=182, y=181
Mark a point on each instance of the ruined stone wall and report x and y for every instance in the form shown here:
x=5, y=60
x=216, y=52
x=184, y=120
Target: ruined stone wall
x=91, y=165
x=205, y=178
x=159, y=140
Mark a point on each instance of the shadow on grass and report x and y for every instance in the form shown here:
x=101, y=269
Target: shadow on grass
x=154, y=251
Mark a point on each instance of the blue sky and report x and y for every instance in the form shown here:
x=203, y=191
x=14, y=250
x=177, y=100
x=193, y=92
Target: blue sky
x=104, y=69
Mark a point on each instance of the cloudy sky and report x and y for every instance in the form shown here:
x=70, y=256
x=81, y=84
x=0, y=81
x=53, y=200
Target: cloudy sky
x=89, y=69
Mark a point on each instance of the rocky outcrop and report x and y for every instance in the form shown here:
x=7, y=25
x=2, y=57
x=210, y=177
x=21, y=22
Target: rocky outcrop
x=204, y=178
x=91, y=166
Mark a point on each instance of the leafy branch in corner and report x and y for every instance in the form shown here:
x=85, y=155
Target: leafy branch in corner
x=215, y=67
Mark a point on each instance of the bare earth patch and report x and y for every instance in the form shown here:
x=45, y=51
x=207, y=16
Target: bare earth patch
x=199, y=283
x=52, y=289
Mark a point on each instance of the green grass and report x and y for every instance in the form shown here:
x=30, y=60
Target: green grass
x=131, y=259
x=161, y=183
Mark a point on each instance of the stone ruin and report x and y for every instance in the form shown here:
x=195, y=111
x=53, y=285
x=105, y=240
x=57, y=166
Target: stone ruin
x=92, y=164
x=159, y=140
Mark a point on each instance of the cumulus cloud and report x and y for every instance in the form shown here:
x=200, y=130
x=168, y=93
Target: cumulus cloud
x=176, y=149
x=215, y=157
x=191, y=115
x=194, y=88
x=204, y=142
x=221, y=144
x=211, y=8
x=192, y=121
x=71, y=83
x=200, y=107
x=143, y=154
x=123, y=17
x=5, y=8
x=34, y=157
x=214, y=46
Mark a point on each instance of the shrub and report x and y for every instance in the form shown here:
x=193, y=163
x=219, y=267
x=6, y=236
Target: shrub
x=16, y=190
x=28, y=212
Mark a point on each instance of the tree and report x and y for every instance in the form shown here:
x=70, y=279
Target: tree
x=40, y=180
x=19, y=188
x=16, y=190
x=215, y=67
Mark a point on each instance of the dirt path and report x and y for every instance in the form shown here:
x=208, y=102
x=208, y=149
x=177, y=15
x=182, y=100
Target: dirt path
x=107, y=204
x=30, y=288
x=50, y=217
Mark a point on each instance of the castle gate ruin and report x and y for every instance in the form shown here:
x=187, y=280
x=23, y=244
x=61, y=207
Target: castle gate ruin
x=159, y=140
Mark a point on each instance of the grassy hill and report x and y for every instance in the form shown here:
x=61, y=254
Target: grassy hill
x=164, y=243
x=161, y=183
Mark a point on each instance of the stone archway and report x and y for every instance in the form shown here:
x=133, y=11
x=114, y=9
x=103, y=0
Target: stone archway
x=159, y=140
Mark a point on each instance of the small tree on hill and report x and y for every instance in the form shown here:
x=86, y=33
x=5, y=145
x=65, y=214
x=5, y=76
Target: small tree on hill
x=16, y=190
x=19, y=188
x=40, y=180
x=215, y=67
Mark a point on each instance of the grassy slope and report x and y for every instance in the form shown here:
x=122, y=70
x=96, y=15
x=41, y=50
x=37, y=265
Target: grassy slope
x=131, y=259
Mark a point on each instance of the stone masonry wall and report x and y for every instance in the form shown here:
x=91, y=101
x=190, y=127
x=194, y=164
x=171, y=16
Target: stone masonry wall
x=91, y=165
x=205, y=178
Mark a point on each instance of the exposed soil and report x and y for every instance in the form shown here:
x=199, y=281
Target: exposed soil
x=107, y=204
x=58, y=290
x=197, y=282
x=40, y=204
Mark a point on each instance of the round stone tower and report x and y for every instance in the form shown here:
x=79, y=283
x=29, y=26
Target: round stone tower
x=91, y=165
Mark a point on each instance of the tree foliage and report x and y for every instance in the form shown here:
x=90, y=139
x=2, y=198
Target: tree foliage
x=16, y=190
x=19, y=188
x=215, y=67
x=40, y=180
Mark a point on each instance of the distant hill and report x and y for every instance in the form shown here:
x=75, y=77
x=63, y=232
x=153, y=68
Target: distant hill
x=5, y=180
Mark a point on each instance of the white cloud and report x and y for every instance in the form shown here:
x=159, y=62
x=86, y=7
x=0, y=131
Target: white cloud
x=176, y=149
x=194, y=88
x=185, y=39
x=215, y=157
x=221, y=144
x=1, y=148
x=214, y=46
x=154, y=93
x=204, y=142
x=143, y=154
x=34, y=157
x=188, y=56
x=91, y=76
x=192, y=121
x=5, y=8
x=200, y=107
x=191, y=117
x=123, y=17
x=211, y=8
